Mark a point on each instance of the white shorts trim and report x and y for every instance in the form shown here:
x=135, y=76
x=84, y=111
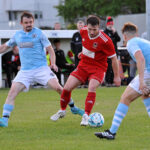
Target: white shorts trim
x=40, y=75
x=135, y=82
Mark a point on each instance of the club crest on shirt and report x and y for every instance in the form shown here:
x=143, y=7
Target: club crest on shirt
x=95, y=44
x=83, y=39
x=34, y=35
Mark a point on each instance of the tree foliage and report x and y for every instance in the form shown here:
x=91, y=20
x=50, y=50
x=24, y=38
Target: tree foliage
x=73, y=9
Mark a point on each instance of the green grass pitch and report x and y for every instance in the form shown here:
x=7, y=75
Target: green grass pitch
x=31, y=129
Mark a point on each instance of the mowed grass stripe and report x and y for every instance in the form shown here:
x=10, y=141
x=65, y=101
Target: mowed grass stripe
x=30, y=127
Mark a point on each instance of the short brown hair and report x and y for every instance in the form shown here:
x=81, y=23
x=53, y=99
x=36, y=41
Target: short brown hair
x=93, y=20
x=26, y=14
x=129, y=27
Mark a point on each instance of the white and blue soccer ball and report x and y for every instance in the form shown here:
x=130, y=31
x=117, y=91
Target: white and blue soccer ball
x=96, y=120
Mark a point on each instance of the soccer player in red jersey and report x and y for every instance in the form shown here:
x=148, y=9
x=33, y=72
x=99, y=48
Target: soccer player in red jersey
x=97, y=47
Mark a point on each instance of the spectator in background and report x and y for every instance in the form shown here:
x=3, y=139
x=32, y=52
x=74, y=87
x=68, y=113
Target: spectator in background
x=124, y=66
x=11, y=64
x=63, y=66
x=76, y=42
x=124, y=58
x=128, y=65
x=133, y=69
x=57, y=26
x=112, y=33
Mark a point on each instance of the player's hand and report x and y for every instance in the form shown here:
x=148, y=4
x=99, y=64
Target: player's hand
x=54, y=67
x=144, y=89
x=79, y=55
x=117, y=81
x=18, y=68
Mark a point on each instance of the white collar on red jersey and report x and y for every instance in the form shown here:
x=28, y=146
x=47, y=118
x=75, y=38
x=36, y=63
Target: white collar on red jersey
x=93, y=37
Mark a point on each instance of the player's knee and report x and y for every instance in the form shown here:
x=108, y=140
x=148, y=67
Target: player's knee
x=92, y=88
x=125, y=99
x=12, y=93
x=68, y=87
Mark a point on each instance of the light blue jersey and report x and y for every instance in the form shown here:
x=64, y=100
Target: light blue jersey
x=31, y=48
x=136, y=44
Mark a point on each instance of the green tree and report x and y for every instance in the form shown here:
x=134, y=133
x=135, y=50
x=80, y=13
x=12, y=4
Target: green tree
x=73, y=9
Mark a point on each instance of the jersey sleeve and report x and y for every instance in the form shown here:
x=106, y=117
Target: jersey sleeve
x=44, y=40
x=132, y=47
x=11, y=42
x=109, y=49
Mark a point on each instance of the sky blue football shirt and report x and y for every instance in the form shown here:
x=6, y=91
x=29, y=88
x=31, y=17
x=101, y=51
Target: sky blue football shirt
x=135, y=44
x=31, y=48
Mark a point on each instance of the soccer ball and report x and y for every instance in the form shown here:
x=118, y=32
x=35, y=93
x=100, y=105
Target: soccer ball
x=96, y=120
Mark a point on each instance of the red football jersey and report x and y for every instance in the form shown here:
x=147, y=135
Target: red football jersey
x=96, y=50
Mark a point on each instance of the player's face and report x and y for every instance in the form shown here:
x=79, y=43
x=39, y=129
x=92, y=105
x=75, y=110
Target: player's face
x=57, y=26
x=27, y=24
x=93, y=31
x=57, y=45
x=110, y=27
x=80, y=25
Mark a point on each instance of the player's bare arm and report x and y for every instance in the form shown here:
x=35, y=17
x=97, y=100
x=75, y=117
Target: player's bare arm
x=3, y=48
x=140, y=66
x=52, y=57
x=115, y=67
x=79, y=55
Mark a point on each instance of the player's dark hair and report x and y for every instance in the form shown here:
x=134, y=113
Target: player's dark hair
x=129, y=27
x=26, y=14
x=56, y=41
x=93, y=20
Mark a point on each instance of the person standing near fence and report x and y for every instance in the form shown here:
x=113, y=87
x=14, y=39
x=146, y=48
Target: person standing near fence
x=112, y=33
x=11, y=64
x=76, y=42
x=63, y=66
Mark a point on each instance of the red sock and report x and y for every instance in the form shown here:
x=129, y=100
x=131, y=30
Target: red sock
x=65, y=98
x=89, y=102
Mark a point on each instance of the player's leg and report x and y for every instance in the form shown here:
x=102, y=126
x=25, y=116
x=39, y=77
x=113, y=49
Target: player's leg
x=54, y=84
x=57, y=87
x=146, y=101
x=96, y=77
x=45, y=76
x=71, y=83
x=8, y=107
x=90, y=100
x=21, y=82
x=128, y=96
